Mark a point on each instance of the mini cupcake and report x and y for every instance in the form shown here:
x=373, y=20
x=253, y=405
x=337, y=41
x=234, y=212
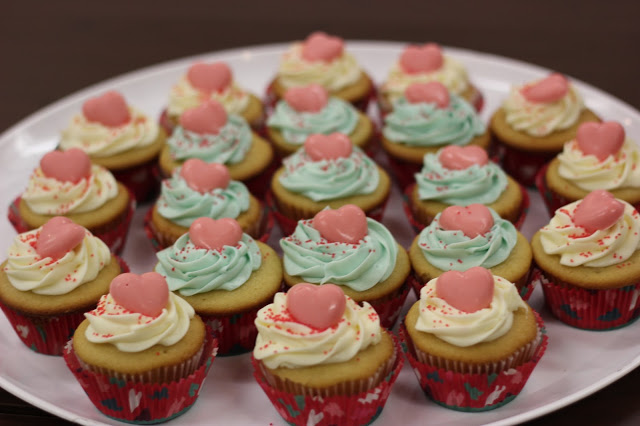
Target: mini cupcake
x=67, y=184
x=142, y=355
x=533, y=124
x=308, y=110
x=52, y=276
x=359, y=254
x=120, y=138
x=322, y=59
x=425, y=119
x=472, y=341
x=589, y=263
x=322, y=359
x=225, y=275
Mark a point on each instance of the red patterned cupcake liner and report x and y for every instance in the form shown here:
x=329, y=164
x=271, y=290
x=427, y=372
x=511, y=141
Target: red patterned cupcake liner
x=142, y=403
x=143, y=181
x=259, y=184
x=520, y=165
x=389, y=308
x=236, y=333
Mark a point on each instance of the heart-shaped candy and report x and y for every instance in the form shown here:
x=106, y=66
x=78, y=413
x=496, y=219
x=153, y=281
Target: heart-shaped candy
x=204, y=177
x=431, y=93
x=110, y=110
x=146, y=294
x=547, y=90
x=317, y=306
x=311, y=98
x=600, y=139
x=328, y=147
x=348, y=224
x=472, y=220
x=211, y=234
x=455, y=157
x=209, y=78
x=320, y=46
x=72, y=165
x=597, y=211
x=426, y=58
x=58, y=236
x=206, y=119
x=467, y=291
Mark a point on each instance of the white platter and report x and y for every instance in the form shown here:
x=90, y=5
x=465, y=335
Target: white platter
x=572, y=368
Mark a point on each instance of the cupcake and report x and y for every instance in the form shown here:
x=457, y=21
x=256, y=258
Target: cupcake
x=321, y=356
x=359, y=254
x=308, y=110
x=322, y=59
x=142, y=355
x=208, y=133
x=198, y=189
x=68, y=184
x=588, y=262
x=225, y=275
x=533, y=124
x=425, y=119
x=426, y=64
x=120, y=138
x=53, y=275
x=472, y=341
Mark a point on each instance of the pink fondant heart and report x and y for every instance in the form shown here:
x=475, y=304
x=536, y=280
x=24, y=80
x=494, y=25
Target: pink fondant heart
x=547, y=90
x=208, y=78
x=311, y=98
x=58, y=236
x=431, y=93
x=208, y=118
x=146, y=294
x=204, y=177
x=467, y=291
x=426, y=58
x=320, y=46
x=109, y=109
x=328, y=147
x=211, y=234
x=318, y=306
x=598, y=210
x=600, y=139
x=66, y=166
x=455, y=157
x=472, y=220
x=348, y=224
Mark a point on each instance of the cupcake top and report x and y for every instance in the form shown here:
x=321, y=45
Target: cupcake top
x=596, y=231
x=544, y=106
x=312, y=325
x=108, y=126
x=340, y=246
x=467, y=308
x=213, y=255
x=56, y=258
x=66, y=182
x=460, y=176
x=329, y=167
x=307, y=110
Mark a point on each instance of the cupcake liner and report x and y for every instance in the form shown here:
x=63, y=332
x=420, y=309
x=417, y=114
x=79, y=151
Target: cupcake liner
x=520, y=165
x=389, y=307
x=236, y=333
x=403, y=171
x=142, y=403
x=488, y=387
x=166, y=123
x=143, y=180
x=259, y=184
x=303, y=407
x=48, y=334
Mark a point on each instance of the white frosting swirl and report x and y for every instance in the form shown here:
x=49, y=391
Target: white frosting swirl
x=184, y=96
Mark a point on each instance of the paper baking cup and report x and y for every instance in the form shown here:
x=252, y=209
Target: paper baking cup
x=470, y=388
x=236, y=333
x=139, y=402
x=303, y=406
x=143, y=181
x=388, y=308
x=520, y=165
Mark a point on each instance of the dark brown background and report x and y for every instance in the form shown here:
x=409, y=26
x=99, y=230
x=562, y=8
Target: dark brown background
x=50, y=49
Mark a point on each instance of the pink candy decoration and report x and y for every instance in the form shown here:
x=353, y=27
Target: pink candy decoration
x=57, y=237
x=348, y=224
x=317, y=306
x=206, y=119
x=472, y=220
x=455, y=157
x=209, y=78
x=66, y=166
x=432, y=93
x=597, y=211
x=600, y=139
x=110, y=110
x=328, y=147
x=204, y=177
x=147, y=294
x=467, y=291
x=547, y=90
x=311, y=98
x=417, y=59
x=321, y=47
x=211, y=234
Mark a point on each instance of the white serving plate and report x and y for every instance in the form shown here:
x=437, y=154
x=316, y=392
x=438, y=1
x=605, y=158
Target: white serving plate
x=576, y=364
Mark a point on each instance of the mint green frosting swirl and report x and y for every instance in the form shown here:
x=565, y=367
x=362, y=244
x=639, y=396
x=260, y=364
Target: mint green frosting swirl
x=191, y=270
x=229, y=146
x=476, y=184
x=452, y=250
x=337, y=116
x=359, y=266
x=424, y=124
x=182, y=205
x=330, y=179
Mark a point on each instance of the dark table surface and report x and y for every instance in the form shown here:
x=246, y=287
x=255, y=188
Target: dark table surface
x=51, y=49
